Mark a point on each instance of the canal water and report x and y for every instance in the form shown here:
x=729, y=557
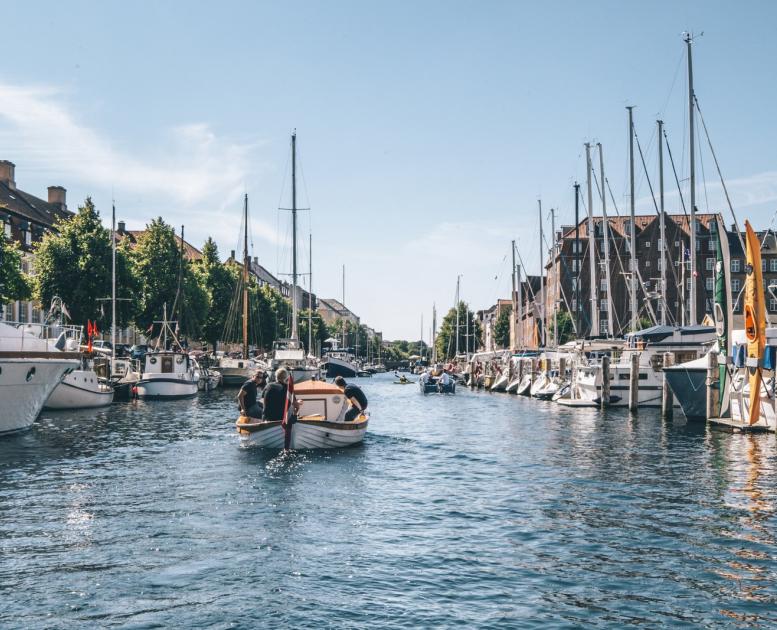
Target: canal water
x=473, y=510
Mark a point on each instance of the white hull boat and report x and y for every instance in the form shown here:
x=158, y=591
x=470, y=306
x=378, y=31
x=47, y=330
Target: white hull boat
x=80, y=389
x=168, y=374
x=29, y=372
x=500, y=384
x=321, y=427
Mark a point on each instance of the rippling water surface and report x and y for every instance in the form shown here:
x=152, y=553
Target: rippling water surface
x=476, y=510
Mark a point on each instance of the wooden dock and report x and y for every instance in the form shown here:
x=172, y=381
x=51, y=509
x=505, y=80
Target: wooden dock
x=737, y=426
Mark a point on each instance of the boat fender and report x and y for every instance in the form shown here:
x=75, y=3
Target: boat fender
x=769, y=357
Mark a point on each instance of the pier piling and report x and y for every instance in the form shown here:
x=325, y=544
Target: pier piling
x=667, y=398
x=634, y=382
x=712, y=386
x=605, y=382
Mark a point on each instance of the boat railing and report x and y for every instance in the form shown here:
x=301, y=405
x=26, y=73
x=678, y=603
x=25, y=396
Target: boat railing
x=29, y=336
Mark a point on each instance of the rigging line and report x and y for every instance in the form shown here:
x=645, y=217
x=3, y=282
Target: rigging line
x=766, y=233
x=703, y=175
x=674, y=80
x=676, y=178
x=720, y=174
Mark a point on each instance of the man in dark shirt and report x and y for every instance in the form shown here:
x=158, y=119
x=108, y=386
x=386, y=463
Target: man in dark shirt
x=355, y=397
x=248, y=397
x=275, y=396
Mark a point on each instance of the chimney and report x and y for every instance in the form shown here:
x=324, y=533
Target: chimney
x=57, y=196
x=232, y=254
x=122, y=227
x=256, y=260
x=7, y=173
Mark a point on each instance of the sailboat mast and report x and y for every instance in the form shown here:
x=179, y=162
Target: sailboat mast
x=294, y=305
x=344, y=340
x=113, y=288
x=513, y=328
x=662, y=223
x=606, y=234
x=591, y=245
x=245, y=277
x=555, y=276
x=519, y=325
x=543, y=338
x=310, y=294
x=458, y=281
x=577, y=258
x=632, y=228
x=692, y=155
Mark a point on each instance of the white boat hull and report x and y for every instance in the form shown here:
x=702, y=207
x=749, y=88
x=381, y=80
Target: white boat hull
x=166, y=388
x=25, y=384
x=81, y=389
x=306, y=436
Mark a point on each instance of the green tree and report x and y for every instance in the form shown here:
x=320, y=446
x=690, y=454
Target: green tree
x=566, y=327
x=218, y=283
x=320, y=331
x=156, y=265
x=502, y=328
x=75, y=264
x=14, y=285
x=446, y=336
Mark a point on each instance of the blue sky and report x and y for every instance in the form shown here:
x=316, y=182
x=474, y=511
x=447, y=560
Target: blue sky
x=427, y=130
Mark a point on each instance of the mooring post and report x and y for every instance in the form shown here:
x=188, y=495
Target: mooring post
x=634, y=382
x=667, y=397
x=605, y=381
x=712, y=386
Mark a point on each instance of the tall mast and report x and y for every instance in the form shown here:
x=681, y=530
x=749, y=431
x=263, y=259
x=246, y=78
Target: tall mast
x=662, y=223
x=294, y=305
x=606, y=234
x=458, y=281
x=434, y=332
x=344, y=344
x=421, y=353
x=632, y=228
x=577, y=258
x=692, y=155
x=113, y=287
x=591, y=246
x=555, y=276
x=514, y=327
x=245, y=277
x=519, y=326
x=543, y=338
x=310, y=294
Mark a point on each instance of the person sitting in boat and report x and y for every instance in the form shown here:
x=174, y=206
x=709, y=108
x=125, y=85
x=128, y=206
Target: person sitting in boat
x=248, y=396
x=425, y=377
x=274, y=397
x=444, y=381
x=356, y=398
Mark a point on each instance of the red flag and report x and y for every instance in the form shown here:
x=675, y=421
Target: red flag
x=88, y=335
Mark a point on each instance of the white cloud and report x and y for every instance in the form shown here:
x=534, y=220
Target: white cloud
x=191, y=171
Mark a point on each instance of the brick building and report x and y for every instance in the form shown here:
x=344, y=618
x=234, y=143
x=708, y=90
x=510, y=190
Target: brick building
x=25, y=218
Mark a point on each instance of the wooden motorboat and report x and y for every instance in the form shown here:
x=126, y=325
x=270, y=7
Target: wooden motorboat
x=321, y=424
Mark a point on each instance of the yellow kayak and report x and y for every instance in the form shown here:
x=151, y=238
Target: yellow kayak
x=755, y=319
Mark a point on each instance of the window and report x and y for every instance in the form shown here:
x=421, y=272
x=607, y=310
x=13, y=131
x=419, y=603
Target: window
x=773, y=305
x=763, y=264
x=735, y=285
x=574, y=265
x=735, y=265
x=27, y=237
x=660, y=245
x=710, y=262
x=711, y=245
x=713, y=227
x=708, y=284
x=603, y=284
x=8, y=230
x=577, y=247
x=676, y=263
x=647, y=243
x=698, y=245
x=604, y=326
x=574, y=305
x=574, y=284
x=603, y=305
x=687, y=284
x=677, y=243
x=647, y=263
x=773, y=264
x=697, y=225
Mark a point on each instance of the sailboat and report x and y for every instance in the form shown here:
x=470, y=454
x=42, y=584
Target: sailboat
x=290, y=353
x=237, y=370
x=340, y=361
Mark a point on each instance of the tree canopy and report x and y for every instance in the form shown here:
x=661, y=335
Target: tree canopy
x=13, y=283
x=446, y=336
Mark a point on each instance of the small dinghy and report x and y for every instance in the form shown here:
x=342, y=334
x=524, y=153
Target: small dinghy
x=524, y=387
x=500, y=384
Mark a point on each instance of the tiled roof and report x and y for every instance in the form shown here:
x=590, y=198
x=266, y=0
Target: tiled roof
x=30, y=207
x=190, y=251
